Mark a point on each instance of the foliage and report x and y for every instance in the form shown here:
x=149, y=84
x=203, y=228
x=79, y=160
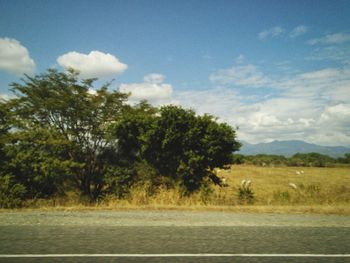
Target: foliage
x=186, y=148
x=131, y=129
x=11, y=194
x=61, y=129
x=37, y=160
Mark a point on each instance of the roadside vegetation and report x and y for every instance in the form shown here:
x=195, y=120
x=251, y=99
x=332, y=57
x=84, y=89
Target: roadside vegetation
x=65, y=144
x=270, y=189
x=60, y=135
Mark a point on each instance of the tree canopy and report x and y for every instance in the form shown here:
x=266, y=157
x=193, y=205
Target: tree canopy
x=183, y=147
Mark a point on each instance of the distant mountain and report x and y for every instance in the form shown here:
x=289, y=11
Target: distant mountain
x=289, y=148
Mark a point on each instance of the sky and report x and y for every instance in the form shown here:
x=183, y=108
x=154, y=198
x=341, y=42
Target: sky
x=275, y=70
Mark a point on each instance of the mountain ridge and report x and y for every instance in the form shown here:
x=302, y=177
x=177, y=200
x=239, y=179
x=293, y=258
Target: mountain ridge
x=291, y=147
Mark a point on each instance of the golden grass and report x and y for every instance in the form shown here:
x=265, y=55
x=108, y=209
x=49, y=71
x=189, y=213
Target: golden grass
x=319, y=190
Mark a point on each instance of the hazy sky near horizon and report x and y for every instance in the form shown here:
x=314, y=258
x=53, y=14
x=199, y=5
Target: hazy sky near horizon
x=275, y=69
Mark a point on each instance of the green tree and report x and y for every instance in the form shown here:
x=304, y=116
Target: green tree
x=11, y=193
x=61, y=132
x=183, y=147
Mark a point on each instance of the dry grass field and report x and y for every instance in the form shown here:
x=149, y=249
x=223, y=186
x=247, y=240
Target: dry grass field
x=273, y=189
x=292, y=185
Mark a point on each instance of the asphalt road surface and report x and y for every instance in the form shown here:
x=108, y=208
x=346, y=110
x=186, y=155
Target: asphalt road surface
x=172, y=236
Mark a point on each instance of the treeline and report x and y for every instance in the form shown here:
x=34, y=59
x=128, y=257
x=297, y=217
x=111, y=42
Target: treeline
x=58, y=134
x=299, y=159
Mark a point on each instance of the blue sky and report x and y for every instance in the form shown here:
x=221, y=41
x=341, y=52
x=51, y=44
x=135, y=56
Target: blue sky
x=276, y=69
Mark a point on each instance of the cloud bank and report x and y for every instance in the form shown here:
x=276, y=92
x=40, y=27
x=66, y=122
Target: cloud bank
x=312, y=106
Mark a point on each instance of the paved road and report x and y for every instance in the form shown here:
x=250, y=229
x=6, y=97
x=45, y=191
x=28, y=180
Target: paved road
x=172, y=232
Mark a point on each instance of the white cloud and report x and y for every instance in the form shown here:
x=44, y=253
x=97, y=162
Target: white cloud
x=298, y=31
x=220, y=102
x=284, y=118
x=279, y=31
x=303, y=109
x=333, y=125
x=276, y=118
x=330, y=39
x=240, y=59
x=272, y=32
x=243, y=75
x=261, y=119
x=15, y=58
x=5, y=96
x=93, y=65
x=330, y=137
x=320, y=74
x=338, y=53
x=154, y=78
x=339, y=92
x=327, y=84
x=92, y=91
x=152, y=89
x=339, y=113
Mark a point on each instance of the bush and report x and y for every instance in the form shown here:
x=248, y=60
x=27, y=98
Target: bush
x=206, y=193
x=245, y=193
x=11, y=194
x=186, y=147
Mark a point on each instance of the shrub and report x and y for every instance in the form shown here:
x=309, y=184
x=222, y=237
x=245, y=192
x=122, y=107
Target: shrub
x=281, y=196
x=206, y=193
x=181, y=146
x=245, y=193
